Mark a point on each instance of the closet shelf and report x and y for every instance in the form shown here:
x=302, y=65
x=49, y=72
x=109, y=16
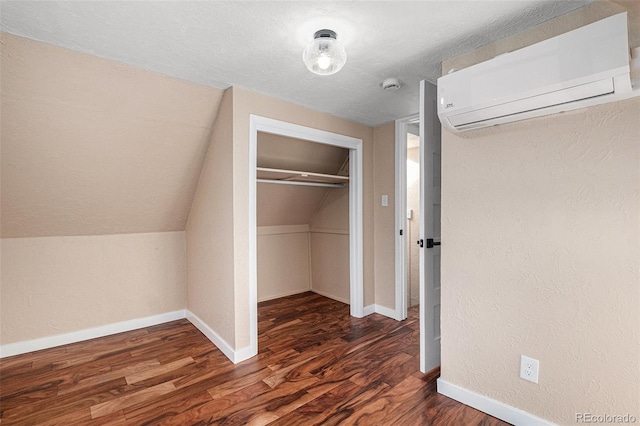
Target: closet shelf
x=294, y=177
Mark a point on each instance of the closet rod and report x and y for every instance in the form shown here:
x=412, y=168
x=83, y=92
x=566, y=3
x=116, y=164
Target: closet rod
x=291, y=182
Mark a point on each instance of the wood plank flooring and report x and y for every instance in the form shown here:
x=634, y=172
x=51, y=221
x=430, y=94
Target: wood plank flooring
x=316, y=366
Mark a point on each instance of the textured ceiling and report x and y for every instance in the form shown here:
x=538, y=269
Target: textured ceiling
x=258, y=45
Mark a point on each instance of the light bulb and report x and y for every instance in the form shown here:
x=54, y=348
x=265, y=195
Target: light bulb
x=324, y=62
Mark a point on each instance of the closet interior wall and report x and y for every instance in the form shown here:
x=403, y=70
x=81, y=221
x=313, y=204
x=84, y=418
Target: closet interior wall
x=303, y=231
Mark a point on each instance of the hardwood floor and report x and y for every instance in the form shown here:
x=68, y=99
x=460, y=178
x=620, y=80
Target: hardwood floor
x=316, y=365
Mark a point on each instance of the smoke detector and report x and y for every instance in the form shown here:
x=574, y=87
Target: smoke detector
x=391, y=84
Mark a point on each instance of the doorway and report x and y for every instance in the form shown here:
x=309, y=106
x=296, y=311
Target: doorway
x=428, y=241
x=413, y=214
x=355, y=147
x=404, y=127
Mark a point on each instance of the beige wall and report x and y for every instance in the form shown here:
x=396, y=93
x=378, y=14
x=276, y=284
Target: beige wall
x=333, y=211
x=541, y=251
x=330, y=264
x=384, y=238
x=283, y=261
x=210, y=257
x=329, y=234
x=287, y=204
x=57, y=285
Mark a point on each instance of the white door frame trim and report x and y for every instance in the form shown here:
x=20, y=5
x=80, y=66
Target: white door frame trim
x=401, y=214
x=355, y=146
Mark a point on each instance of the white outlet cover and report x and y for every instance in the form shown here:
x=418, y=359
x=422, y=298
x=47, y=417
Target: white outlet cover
x=529, y=368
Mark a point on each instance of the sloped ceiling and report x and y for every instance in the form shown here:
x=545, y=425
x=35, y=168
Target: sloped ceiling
x=279, y=152
x=92, y=146
x=288, y=204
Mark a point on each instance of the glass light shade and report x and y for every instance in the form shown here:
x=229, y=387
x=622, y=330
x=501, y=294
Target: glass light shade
x=325, y=55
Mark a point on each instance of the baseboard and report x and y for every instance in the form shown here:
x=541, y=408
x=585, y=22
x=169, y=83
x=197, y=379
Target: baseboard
x=490, y=406
x=225, y=348
x=244, y=354
x=291, y=293
x=387, y=312
x=379, y=309
x=330, y=296
x=89, y=333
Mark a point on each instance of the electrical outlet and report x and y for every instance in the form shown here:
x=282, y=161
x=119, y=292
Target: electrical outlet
x=529, y=368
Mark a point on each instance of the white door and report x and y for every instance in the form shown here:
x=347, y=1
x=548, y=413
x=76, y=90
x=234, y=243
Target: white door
x=429, y=229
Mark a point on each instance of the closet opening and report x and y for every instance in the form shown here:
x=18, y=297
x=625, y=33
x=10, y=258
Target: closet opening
x=305, y=215
x=302, y=218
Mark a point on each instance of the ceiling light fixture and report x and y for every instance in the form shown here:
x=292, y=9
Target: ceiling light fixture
x=325, y=55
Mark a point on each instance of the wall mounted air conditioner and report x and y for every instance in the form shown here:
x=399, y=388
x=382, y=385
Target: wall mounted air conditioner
x=584, y=67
